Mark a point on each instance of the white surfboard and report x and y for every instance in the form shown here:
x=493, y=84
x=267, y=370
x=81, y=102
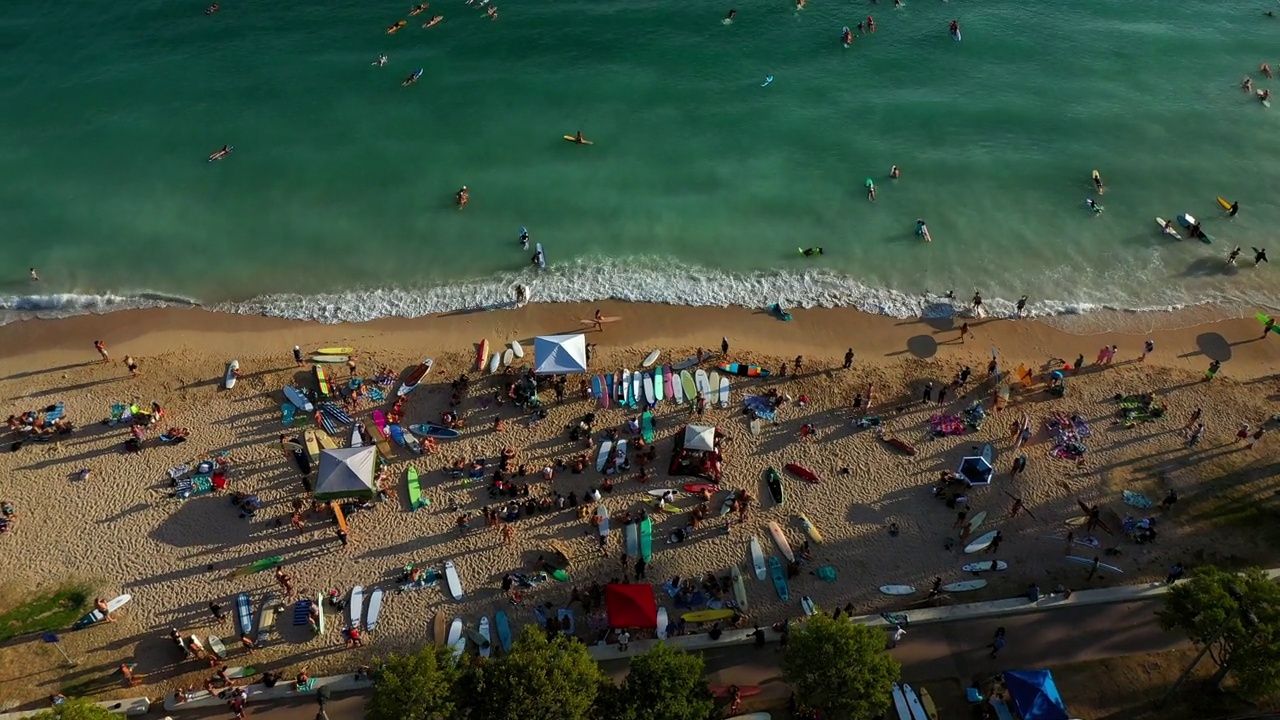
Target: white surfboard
x=508, y=357
x=300, y=401
x=677, y=389
x=651, y=358
x=724, y=392
x=494, y=362
x=976, y=521
x=624, y=389
x=986, y=566
x=355, y=606
x=780, y=539
x=757, y=558
x=701, y=382
x=486, y=647
x=602, y=512
x=662, y=493
x=452, y=580
x=603, y=456
x=897, y=589
x=637, y=387
x=375, y=609
x=648, y=390
x=982, y=542
x=356, y=440
x=662, y=623
x=517, y=348
x=456, y=639
x=542, y=255
x=964, y=586
x=230, y=380
x=1101, y=566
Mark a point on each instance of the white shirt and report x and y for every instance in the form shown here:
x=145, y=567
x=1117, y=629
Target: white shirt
x=624, y=637
x=898, y=633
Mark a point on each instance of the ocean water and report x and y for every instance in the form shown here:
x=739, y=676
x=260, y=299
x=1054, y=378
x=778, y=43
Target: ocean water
x=337, y=203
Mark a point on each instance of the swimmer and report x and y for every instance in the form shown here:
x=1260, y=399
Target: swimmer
x=1231, y=259
x=954, y=28
x=894, y=172
x=812, y=251
x=1097, y=183
x=897, y=4
x=847, y=37
x=871, y=191
x=211, y=9
x=1266, y=70
x=462, y=197
x=1246, y=84
x=728, y=19
x=380, y=62
x=923, y=231
x=492, y=12
x=800, y=4
x=1259, y=256
x=225, y=151
x=1095, y=207
x=871, y=24
x=1264, y=95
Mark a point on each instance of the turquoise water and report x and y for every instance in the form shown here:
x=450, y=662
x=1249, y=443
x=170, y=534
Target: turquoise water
x=338, y=201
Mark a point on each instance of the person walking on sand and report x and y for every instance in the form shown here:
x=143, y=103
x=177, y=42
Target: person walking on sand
x=964, y=330
x=101, y=347
x=1191, y=421
x=1196, y=434
x=1015, y=508
x=997, y=642
x=977, y=305
x=132, y=364
x=848, y=358
x=1243, y=433
x=724, y=346
x=351, y=366
x=995, y=543
x=960, y=518
x=1093, y=569
x=799, y=363
x=896, y=637
x=928, y=393
x=1257, y=435
x=598, y=319
x=297, y=355
x=942, y=395
x=1175, y=574
x=1214, y=367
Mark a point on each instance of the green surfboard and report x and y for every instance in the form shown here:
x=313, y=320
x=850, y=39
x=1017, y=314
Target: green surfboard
x=646, y=539
x=258, y=566
x=415, y=489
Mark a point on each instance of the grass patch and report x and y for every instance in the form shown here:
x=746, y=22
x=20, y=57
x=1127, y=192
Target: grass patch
x=56, y=611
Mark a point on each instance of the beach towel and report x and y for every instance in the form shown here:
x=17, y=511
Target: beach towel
x=1081, y=426
x=827, y=573
x=55, y=414
x=376, y=395
x=287, y=413
x=178, y=471
x=117, y=412
x=1137, y=499
x=301, y=612
x=761, y=406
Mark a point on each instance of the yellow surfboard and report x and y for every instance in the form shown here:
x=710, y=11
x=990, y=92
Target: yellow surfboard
x=810, y=529
x=1223, y=202
x=573, y=139
x=701, y=616
x=335, y=351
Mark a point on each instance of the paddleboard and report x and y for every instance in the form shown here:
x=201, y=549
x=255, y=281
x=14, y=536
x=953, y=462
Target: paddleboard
x=913, y=702
x=1223, y=202
x=95, y=615
x=701, y=616
x=964, y=586
x=573, y=139
x=229, y=381
x=1089, y=562
x=810, y=529
x=986, y=566
x=780, y=538
x=375, y=609
x=355, y=606
x=981, y=543
x=456, y=639
x=452, y=580
x=806, y=604
x=900, y=703
x=739, y=588
x=517, y=348
x=651, y=358
x=637, y=388
x=779, y=578
x=757, y=557
x=300, y=401
x=542, y=256
x=482, y=354
x=503, y=627
x=1170, y=232
x=624, y=390
x=897, y=589
x=486, y=647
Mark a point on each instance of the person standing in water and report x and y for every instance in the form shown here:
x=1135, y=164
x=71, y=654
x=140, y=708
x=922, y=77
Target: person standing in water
x=1234, y=209
x=1259, y=256
x=1231, y=259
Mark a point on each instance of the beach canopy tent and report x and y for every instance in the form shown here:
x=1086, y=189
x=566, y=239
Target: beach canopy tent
x=976, y=470
x=557, y=354
x=631, y=606
x=1035, y=695
x=700, y=437
x=347, y=473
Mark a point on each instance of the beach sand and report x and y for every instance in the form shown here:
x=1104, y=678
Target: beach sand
x=121, y=531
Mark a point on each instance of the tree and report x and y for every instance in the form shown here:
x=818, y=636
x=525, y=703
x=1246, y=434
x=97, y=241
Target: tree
x=77, y=709
x=662, y=684
x=539, y=679
x=414, y=687
x=1235, y=619
x=840, y=667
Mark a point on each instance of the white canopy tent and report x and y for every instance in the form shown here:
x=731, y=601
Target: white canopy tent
x=700, y=437
x=347, y=473
x=555, y=354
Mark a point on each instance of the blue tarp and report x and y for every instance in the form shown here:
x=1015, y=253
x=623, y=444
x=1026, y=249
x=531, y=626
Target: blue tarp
x=1035, y=695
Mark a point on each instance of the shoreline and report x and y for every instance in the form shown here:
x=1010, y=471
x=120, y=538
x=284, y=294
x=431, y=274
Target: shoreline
x=130, y=535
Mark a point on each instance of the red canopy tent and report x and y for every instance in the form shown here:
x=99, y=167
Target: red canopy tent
x=631, y=606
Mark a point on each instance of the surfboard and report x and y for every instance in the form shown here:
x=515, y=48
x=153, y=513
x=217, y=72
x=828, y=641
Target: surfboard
x=779, y=578
x=625, y=389
x=266, y=618
x=913, y=702
x=897, y=589
x=926, y=701
x=757, y=557
x=482, y=354
x=964, y=586
x=1101, y=566
x=216, y=646
x=375, y=609
x=703, y=384
x=631, y=537
x=319, y=612
x=768, y=79
x=810, y=529
x=806, y=604
x=845, y=33
x=976, y=521
x=229, y=380
x=456, y=640
x=637, y=388
x=452, y=580
x=517, y=348
x=651, y=358
x=986, y=566
x=677, y=388
x=244, y=614
x=356, y=439
x=701, y=616
x=542, y=256
x=666, y=382
x=508, y=357
x=335, y=351
x=331, y=359
x=686, y=380
x=602, y=456
x=300, y=401
x=724, y=392
x=981, y=543
x=780, y=538
x=1170, y=232
x=494, y=362
x=258, y=566
x=574, y=139
x=486, y=647
x=355, y=606
x=96, y=616
x=602, y=512
x=900, y=703
x=1223, y=202
x=503, y=628
x=439, y=629
x=739, y=588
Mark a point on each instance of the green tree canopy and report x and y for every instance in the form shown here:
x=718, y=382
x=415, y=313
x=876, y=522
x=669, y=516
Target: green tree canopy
x=840, y=667
x=540, y=679
x=1241, y=634
x=414, y=687
x=662, y=684
x=77, y=709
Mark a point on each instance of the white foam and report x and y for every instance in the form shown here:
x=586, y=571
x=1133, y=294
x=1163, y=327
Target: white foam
x=56, y=305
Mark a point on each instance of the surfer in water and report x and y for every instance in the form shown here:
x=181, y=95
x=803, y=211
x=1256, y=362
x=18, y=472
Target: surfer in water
x=1259, y=256
x=536, y=260
x=1231, y=259
x=871, y=24
x=1097, y=183
x=492, y=12
x=413, y=78
x=419, y=8
x=923, y=230
x=1246, y=84
x=1168, y=229
x=524, y=239
x=380, y=62
x=954, y=29
x=225, y=151
x=462, y=197
x=847, y=37
x=812, y=251
x=1265, y=69
x=1234, y=209
x=1264, y=95
x=894, y=172
x=871, y=190
x=1093, y=205
x=580, y=140
x=214, y=8
x=728, y=19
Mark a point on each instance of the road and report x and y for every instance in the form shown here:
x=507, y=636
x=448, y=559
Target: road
x=928, y=652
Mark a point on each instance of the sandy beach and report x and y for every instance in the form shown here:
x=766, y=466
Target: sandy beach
x=122, y=531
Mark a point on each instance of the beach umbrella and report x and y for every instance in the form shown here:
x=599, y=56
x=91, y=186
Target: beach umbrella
x=976, y=470
x=347, y=473
x=700, y=437
x=557, y=354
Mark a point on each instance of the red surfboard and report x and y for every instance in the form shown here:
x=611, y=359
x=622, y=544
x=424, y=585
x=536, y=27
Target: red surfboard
x=802, y=472
x=699, y=487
